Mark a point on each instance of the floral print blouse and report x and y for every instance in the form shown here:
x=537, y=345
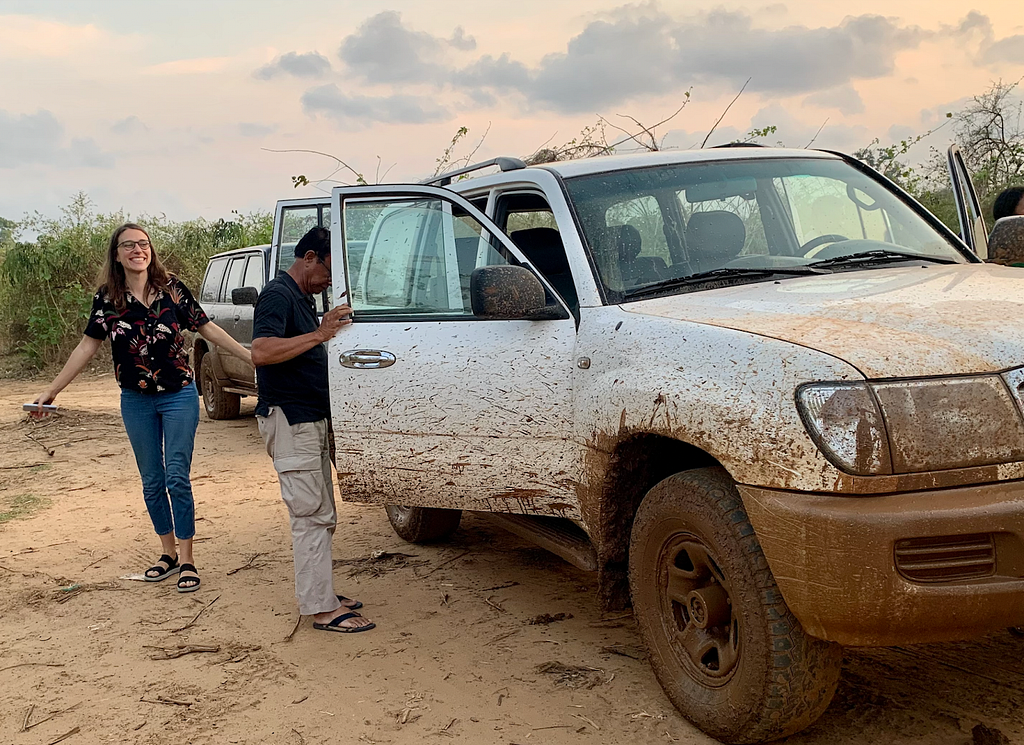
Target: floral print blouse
x=147, y=344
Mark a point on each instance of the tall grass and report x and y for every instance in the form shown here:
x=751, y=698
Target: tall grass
x=46, y=285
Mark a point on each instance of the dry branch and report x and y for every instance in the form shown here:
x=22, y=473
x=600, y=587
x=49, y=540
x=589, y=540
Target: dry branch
x=65, y=736
x=26, y=664
x=44, y=719
x=170, y=653
x=196, y=616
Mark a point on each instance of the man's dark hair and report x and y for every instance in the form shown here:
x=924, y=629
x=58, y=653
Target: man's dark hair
x=1007, y=201
x=317, y=240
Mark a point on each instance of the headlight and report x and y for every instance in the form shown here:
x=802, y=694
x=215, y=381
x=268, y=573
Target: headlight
x=844, y=422
x=950, y=423
x=914, y=425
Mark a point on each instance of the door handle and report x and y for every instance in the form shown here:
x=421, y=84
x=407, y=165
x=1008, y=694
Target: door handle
x=238, y=317
x=367, y=359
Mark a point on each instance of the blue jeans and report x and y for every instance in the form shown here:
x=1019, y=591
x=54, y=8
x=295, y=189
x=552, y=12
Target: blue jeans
x=162, y=430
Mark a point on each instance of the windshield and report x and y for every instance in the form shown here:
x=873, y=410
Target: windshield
x=648, y=227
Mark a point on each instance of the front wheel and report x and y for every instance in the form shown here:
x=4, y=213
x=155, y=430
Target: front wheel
x=725, y=647
x=423, y=524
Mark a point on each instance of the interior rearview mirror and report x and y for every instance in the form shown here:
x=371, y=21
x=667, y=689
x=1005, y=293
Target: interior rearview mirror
x=244, y=296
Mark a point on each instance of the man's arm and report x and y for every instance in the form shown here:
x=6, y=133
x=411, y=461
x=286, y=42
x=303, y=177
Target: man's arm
x=270, y=350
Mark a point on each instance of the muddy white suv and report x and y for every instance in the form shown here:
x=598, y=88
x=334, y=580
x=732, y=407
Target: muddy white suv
x=763, y=393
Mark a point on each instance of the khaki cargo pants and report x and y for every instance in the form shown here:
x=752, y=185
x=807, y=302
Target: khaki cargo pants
x=302, y=459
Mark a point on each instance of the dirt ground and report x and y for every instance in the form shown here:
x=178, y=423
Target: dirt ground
x=457, y=656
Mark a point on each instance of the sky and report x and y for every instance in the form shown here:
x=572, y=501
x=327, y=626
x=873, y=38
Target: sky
x=183, y=108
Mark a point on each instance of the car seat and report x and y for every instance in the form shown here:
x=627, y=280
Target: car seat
x=714, y=238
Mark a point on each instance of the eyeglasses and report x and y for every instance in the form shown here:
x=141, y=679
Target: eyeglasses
x=132, y=244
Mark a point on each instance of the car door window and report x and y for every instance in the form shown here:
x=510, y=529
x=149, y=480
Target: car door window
x=234, y=278
x=417, y=256
x=253, y=276
x=295, y=223
x=211, y=285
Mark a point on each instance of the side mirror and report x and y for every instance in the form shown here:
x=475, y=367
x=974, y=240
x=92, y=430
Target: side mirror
x=244, y=296
x=1006, y=243
x=510, y=293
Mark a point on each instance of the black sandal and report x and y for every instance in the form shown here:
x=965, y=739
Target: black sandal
x=165, y=566
x=193, y=577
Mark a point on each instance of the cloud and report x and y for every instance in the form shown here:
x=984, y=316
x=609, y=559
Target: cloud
x=462, y=42
x=640, y=50
x=358, y=112
x=37, y=139
x=129, y=126
x=845, y=98
x=1010, y=49
x=308, y=65
x=384, y=50
x=193, y=66
x=251, y=129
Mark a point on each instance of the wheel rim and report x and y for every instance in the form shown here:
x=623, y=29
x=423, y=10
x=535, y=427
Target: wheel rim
x=399, y=512
x=700, y=626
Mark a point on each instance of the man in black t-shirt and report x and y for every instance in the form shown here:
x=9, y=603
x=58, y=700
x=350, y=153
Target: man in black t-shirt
x=293, y=413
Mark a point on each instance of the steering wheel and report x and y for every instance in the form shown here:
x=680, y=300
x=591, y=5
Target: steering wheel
x=807, y=249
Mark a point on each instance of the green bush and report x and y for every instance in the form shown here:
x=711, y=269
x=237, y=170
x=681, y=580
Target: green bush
x=46, y=285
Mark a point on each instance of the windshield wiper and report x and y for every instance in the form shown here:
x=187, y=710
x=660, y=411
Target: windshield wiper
x=879, y=256
x=723, y=273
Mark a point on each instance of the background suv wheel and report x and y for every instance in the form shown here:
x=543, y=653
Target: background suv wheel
x=219, y=404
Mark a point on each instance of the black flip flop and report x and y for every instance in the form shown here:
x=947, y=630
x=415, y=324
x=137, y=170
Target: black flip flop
x=164, y=572
x=342, y=599
x=335, y=625
x=194, y=577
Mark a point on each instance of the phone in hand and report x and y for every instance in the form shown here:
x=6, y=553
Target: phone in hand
x=47, y=408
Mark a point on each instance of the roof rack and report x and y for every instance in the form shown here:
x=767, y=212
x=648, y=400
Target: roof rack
x=738, y=144
x=504, y=163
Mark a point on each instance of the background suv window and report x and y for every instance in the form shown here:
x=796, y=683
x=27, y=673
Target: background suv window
x=211, y=285
x=253, y=276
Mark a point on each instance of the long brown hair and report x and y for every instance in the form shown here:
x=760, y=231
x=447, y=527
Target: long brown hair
x=112, y=278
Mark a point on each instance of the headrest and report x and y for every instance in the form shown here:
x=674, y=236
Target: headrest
x=1006, y=244
x=717, y=235
x=626, y=240
x=543, y=247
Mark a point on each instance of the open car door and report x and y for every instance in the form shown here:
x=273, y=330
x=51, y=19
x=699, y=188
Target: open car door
x=968, y=207
x=432, y=405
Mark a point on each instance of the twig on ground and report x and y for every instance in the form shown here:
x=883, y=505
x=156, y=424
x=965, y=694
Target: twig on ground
x=588, y=721
x=196, y=616
x=45, y=719
x=27, y=465
x=498, y=638
x=555, y=726
x=65, y=736
x=79, y=488
x=49, y=450
x=170, y=653
x=503, y=586
x=28, y=716
x=495, y=605
x=248, y=564
x=167, y=701
x=294, y=629
x=95, y=562
x=446, y=563
x=26, y=664
x=302, y=740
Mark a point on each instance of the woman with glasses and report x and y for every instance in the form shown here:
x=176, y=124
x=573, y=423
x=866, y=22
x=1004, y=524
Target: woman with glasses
x=143, y=309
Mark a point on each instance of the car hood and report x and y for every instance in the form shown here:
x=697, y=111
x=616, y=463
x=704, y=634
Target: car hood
x=896, y=322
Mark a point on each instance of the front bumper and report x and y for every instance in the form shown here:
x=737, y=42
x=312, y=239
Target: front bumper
x=836, y=562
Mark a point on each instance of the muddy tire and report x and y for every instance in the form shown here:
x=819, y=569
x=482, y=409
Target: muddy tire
x=423, y=524
x=725, y=647
x=219, y=404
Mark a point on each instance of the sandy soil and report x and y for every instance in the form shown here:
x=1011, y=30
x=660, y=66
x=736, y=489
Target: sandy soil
x=455, y=656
